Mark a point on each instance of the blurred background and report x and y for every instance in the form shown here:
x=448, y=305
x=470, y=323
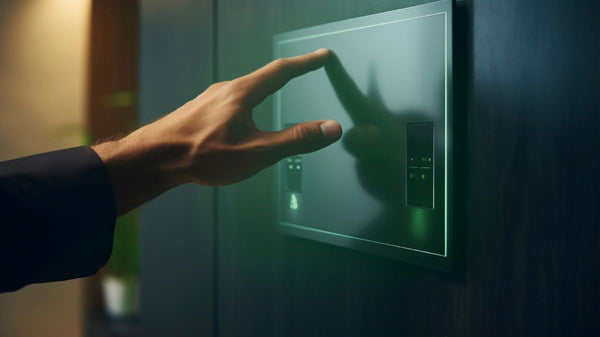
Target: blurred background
x=68, y=76
x=199, y=261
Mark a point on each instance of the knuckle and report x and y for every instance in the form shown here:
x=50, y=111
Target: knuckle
x=237, y=92
x=217, y=85
x=234, y=86
x=281, y=63
x=307, y=133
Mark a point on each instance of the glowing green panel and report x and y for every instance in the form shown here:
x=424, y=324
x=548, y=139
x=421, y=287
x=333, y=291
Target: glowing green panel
x=389, y=73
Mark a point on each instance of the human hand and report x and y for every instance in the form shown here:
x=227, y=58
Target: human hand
x=212, y=139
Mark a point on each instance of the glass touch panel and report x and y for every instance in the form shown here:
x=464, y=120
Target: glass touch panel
x=387, y=84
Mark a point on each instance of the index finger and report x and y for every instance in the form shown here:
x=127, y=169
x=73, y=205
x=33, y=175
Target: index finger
x=271, y=77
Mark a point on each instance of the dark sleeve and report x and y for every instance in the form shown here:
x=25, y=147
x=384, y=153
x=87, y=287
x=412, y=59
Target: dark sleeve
x=57, y=215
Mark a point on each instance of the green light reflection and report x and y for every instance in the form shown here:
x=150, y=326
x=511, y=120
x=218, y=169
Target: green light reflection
x=419, y=223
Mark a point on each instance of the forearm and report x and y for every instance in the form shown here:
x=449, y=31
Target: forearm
x=143, y=165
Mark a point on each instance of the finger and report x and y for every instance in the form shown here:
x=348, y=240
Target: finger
x=271, y=77
x=360, y=108
x=302, y=138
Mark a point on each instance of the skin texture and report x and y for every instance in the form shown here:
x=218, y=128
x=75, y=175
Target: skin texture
x=212, y=139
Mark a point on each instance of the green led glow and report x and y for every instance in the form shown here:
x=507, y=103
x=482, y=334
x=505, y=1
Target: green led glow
x=418, y=223
x=293, y=202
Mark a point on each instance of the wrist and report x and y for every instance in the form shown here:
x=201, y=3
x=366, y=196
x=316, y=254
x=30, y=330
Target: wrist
x=142, y=166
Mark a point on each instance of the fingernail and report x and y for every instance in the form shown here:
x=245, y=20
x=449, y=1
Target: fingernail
x=331, y=130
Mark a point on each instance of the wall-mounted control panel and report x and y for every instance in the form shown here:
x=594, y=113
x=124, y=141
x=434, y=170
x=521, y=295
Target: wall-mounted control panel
x=386, y=187
x=293, y=173
x=419, y=165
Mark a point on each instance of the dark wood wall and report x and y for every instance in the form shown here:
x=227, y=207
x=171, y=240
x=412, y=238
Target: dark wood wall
x=113, y=74
x=528, y=182
x=527, y=187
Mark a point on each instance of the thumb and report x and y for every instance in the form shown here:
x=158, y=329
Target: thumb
x=304, y=138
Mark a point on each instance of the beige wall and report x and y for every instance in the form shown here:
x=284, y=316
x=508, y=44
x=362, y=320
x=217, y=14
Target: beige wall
x=43, y=59
x=43, y=49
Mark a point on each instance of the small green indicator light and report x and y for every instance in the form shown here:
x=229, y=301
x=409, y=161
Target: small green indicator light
x=293, y=202
x=419, y=223
x=422, y=176
x=297, y=167
x=291, y=167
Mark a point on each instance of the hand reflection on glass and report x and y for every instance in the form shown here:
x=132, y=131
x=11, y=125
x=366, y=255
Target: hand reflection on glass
x=376, y=139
